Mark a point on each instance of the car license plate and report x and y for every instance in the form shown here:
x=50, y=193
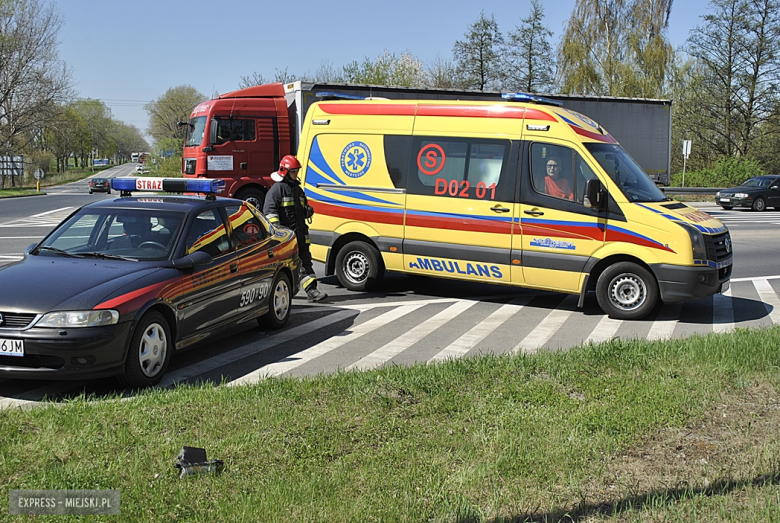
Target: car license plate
x=11, y=347
x=725, y=199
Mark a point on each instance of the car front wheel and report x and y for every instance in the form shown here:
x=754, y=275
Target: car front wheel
x=149, y=353
x=626, y=291
x=759, y=204
x=279, y=303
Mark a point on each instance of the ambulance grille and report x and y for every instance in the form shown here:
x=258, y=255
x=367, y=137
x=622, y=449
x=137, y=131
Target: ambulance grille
x=15, y=320
x=718, y=247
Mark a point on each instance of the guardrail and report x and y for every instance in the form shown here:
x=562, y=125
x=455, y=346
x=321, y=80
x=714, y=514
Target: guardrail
x=691, y=190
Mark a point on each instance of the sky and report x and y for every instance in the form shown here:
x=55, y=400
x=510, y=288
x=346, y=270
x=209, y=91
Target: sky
x=129, y=53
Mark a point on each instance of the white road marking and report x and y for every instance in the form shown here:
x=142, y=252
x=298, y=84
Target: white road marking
x=604, y=331
x=663, y=326
x=722, y=312
x=547, y=327
x=397, y=346
x=770, y=299
x=50, y=212
x=469, y=340
x=280, y=367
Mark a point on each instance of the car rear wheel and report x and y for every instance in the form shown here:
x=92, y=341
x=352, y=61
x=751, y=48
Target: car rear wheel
x=727, y=207
x=359, y=266
x=252, y=195
x=759, y=204
x=149, y=353
x=626, y=291
x=279, y=303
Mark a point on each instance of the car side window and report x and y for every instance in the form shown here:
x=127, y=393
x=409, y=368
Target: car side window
x=208, y=234
x=559, y=171
x=247, y=228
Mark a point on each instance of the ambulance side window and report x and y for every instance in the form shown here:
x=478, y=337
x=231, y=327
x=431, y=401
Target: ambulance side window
x=559, y=172
x=461, y=167
x=397, y=150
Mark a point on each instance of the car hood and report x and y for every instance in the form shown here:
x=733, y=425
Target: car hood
x=680, y=212
x=742, y=188
x=39, y=284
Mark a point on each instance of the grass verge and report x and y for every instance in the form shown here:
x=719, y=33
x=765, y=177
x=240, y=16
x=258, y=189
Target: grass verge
x=19, y=191
x=681, y=430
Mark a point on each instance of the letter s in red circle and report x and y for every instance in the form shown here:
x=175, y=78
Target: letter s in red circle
x=433, y=161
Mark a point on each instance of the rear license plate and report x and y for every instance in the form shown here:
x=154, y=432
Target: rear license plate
x=725, y=199
x=11, y=347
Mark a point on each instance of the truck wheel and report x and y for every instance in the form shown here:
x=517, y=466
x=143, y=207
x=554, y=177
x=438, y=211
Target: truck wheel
x=626, y=291
x=359, y=266
x=727, y=207
x=759, y=204
x=252, y=195
x=279, y=302
x=149, y=353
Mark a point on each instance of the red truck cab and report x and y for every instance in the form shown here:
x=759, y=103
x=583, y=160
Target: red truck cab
x=239, y=137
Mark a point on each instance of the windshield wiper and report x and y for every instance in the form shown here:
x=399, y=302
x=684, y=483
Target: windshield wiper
x=59, y=251
x=106, y=256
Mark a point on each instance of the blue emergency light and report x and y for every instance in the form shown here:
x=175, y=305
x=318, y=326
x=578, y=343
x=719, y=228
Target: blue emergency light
x=332, y=95
x=175, y=185
x=525, y=97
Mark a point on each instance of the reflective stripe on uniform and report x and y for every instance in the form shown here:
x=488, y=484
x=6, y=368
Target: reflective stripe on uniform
x=307, y=280
x=287, y=201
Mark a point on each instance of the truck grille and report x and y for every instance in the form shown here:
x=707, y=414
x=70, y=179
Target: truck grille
x=15, y=320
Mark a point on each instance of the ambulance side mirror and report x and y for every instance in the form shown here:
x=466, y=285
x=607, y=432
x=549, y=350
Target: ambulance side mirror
x=592, y=198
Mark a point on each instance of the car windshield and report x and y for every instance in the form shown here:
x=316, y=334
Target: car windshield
x=132, y=234
x=758, y=182
x=195, y=130
x=625, y=172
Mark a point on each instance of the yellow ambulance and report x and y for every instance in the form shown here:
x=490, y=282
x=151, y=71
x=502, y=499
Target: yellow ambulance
x=522, y=192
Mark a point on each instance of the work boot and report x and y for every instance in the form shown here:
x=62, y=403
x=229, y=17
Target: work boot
x=316, y=295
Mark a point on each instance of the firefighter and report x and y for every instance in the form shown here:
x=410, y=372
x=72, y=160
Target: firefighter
x=285, y=204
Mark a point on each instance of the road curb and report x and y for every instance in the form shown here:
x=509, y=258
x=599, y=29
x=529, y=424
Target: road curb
x=22, y=195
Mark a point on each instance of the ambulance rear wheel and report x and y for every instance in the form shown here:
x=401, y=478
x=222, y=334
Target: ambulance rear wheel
x=626, y=291
x=252, y=195
x=359, y=266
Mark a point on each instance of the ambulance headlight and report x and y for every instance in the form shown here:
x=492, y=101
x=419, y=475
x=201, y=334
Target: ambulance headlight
x=76, y=319
x=697, y=241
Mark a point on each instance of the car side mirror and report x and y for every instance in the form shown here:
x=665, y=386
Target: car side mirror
x=592, y=198
x=196, y=259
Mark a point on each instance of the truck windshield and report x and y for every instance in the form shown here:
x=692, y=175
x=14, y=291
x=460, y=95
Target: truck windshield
x=195, y=131
x=624, y=171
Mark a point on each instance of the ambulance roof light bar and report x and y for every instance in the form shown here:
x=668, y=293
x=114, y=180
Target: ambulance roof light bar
x=175, y=185
x=332, y=95
x=525, y=97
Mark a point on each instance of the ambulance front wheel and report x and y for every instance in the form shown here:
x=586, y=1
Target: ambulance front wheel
x=359, y=266
x=626, y=291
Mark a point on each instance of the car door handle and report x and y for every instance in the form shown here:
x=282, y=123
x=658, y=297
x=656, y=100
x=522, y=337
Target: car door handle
x=233, y=268
x=499, y=208
x=534, y=213
x=270, y=253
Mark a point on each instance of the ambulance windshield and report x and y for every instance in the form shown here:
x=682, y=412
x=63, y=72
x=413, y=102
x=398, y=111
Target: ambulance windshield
x=624, y=171
x=195, y=130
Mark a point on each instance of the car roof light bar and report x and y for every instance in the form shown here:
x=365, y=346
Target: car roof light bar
x=210, y=187
x=525, y=97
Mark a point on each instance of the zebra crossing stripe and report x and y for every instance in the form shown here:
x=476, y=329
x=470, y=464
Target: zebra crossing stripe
x=210, y=364
x=465, y=343
x=769, y=297
x=547, y=327
x=397, y=346
x=280, y=367
x=663, y=326
x=605, y=330
x=722, y=312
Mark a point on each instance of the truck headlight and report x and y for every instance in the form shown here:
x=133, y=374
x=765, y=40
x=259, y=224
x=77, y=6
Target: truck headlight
x=697, y=241
x=74, y=319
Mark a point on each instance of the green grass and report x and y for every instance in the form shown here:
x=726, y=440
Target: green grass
x=682, y=430
x=19, y=191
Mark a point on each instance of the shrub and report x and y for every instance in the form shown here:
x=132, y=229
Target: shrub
x=726, y=172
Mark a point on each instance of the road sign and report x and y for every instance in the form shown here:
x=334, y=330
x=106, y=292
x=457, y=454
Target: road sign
x=686, y=148
x=38, y=174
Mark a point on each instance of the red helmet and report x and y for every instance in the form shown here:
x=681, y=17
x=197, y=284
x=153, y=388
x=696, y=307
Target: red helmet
x=287, y=163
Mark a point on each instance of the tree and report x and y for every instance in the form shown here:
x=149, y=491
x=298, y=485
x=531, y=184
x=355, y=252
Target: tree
x=616, y=48
x=528, y=60
x=32, y=78
x=98, y=127
x=174, y=106
x=282, y=75
x=441, y=74
x=477, y=57
x=387, y=69
x=733, y=96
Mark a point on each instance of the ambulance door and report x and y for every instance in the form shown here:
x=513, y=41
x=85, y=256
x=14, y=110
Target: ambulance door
x=559, y=234
x=459, y=207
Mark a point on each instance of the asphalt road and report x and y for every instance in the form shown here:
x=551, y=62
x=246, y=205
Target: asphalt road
x=415, y=320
